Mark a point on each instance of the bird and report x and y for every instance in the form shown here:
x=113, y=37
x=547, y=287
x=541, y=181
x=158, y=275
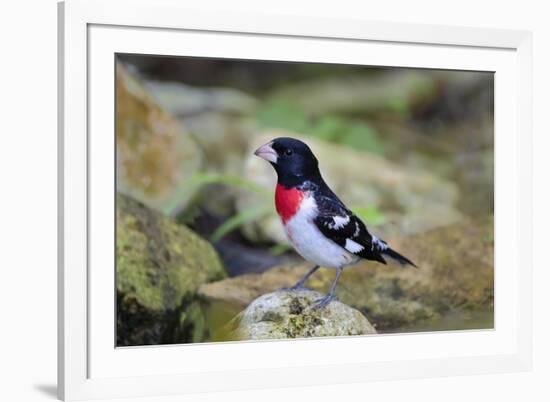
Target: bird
x=317, y=223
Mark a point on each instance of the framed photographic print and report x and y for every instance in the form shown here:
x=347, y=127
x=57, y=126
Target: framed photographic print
x=263, y=201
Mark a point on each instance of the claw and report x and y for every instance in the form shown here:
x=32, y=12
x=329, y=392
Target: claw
x=319, y=304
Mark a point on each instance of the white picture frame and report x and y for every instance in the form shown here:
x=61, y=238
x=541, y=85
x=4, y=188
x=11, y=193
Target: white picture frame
x=91, y=32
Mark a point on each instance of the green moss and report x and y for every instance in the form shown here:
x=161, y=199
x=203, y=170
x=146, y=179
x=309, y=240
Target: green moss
x=160, y=266
x=299, y=325
x=158, y=261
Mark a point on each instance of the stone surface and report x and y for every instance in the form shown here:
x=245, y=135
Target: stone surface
x=289, y=314
x=390, y=91
x=156, y=155
x=160, y=266
x=220, y=120
x=412, y=201
x=462, y=153
x=396, y=91
x=455, y=276
x=185, y=100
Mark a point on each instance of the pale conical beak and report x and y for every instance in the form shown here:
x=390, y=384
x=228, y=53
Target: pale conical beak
x=267, y=152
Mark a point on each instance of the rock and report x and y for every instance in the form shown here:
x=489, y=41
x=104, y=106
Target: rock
x=220, y=120
x=462, y=98
x=184, y=100
x=224, y=141
x=455, y=276
x=156, y=155
x=476, y=175
x=289, y=314
x=398, y=91
x=160, y=266
x=394, y=91
x=461, y=152
x=412, y=200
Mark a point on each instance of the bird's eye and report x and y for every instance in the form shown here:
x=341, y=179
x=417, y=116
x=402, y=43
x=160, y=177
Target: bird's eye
x=288, y=152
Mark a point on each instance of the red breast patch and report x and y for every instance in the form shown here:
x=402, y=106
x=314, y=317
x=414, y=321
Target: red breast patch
x=287, y=201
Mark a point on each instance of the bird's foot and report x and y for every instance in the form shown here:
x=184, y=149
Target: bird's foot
x=323, y=302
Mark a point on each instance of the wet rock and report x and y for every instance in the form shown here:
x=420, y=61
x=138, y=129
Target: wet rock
x=289, y=314
x=156, y=155
x=159, y=267
x=412, y=200
x=455, y=276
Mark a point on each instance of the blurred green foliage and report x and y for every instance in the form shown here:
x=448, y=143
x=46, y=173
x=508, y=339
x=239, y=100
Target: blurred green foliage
x=400, y=106
x=282, y=114
x=370, y=215
x=239, y=219
x=202, y=179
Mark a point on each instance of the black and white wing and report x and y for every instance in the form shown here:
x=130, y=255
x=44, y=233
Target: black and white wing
x=340, y=225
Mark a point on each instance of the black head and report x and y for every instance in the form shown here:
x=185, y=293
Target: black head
x=292, y=159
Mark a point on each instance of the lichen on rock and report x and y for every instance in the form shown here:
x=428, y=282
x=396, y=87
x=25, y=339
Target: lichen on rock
x=291, y=314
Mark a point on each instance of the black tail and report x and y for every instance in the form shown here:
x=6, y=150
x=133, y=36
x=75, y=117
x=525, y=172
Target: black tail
x=388, y=252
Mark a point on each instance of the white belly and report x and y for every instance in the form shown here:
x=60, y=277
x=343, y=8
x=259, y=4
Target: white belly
x=311, y=244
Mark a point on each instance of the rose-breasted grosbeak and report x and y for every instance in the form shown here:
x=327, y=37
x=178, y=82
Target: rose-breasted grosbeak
x=317, y=223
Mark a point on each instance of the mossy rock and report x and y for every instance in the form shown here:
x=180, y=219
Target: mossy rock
x=160, y=266
x=290, y=314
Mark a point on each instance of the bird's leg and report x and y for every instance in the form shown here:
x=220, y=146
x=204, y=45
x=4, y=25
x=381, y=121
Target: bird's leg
x=330, y=296
x=301, y=282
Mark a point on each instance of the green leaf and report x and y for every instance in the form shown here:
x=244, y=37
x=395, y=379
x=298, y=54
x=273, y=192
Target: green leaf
x=362, y=136
x=240, y=219
x=329, y=128
x=282, y=114
x=201, y=179
x=399, y=105
x=371, y=215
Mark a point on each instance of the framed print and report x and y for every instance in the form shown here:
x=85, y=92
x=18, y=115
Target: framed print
x=265, y=201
